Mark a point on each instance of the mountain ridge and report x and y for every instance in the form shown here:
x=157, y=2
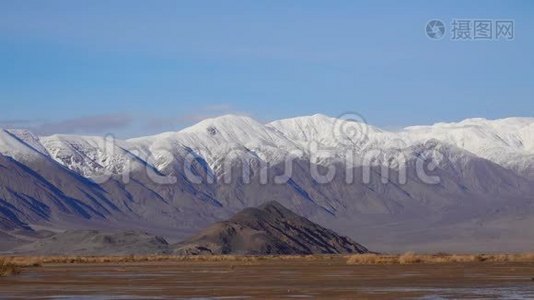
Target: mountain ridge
x=511, y=147
x=63, y=187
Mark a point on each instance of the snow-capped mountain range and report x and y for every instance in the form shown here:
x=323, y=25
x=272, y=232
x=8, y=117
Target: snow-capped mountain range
x=484, y=195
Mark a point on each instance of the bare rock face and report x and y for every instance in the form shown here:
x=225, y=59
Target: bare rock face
x=268, y=229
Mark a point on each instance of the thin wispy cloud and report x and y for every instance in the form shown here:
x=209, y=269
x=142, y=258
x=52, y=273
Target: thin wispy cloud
x=15, y=123
x=95, y=124
x=121, y=124
x=90, y=124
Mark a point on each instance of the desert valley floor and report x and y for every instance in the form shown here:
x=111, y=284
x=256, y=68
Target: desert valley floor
x=299, y=278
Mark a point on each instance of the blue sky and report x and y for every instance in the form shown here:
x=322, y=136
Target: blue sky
x=136, y=67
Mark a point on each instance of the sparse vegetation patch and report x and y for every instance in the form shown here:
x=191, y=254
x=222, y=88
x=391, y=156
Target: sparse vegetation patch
x=413, y=258
x=7, y=268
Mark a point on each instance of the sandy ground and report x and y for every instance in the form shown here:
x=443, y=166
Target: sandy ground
x=272, y=279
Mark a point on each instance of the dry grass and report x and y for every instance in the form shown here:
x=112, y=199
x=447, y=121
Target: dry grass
x=7, y=268
x=371, y=259
x=39, y=260
x=12, y=264
x=412, y=258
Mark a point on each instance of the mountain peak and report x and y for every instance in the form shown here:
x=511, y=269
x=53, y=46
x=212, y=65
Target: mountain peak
x=21, y=144
x=274, y=207
x=225, y=121
x=268, y=229
x=216, y=136
x=272, y=204
x=227, y=128
x=312, y=119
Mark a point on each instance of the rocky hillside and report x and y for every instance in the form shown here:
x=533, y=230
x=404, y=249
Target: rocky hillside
x=268, y=229
x=93, y=242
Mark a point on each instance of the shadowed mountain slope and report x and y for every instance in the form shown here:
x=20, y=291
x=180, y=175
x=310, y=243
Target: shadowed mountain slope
x=92, y=242
x=174, y=184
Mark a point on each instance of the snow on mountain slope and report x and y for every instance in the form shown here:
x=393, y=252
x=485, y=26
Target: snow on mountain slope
x=329, y=139
x=327, y=131
x=480, y=135
x=215, y=139
x=508, y=142
x=471, y=172
x=477, y=161
x=21, y=145
x=91, y=156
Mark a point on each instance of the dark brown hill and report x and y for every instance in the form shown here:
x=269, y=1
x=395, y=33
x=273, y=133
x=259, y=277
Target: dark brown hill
x=268, y=229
